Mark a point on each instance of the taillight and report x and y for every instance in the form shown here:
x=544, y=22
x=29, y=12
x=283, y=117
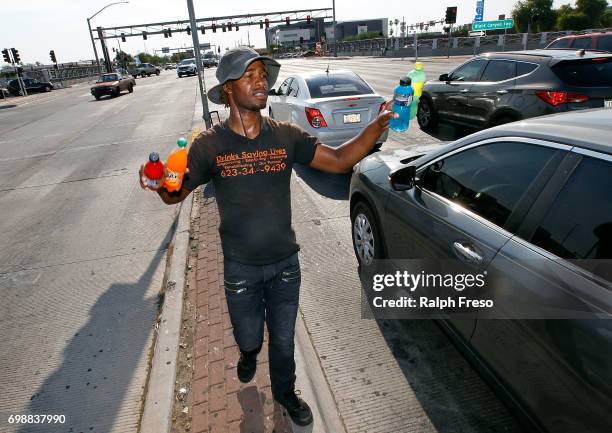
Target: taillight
x=315, y=118
x=558, y=98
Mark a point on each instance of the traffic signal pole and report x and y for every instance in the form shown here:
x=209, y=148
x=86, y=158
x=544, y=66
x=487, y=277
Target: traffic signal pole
x=196, y=51
x=94, y=45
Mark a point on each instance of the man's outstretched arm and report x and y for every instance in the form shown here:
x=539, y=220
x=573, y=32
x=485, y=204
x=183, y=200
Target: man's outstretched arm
x=341, y=159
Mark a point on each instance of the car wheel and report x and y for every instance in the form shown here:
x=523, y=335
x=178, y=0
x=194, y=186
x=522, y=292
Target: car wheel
x=156, y=72
x=503, y=120
x=180, y=75
x=116, y=91
x=97, y=97
x=131, y=89
x=143, y=75
x=47, y=88
x=426, y=115
x=367, y=241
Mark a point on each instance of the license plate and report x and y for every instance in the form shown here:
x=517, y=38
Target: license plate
x=352, y=118
x=608, y=103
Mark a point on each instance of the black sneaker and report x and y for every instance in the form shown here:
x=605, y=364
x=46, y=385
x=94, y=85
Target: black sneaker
x=298, y=409
x=247, y=366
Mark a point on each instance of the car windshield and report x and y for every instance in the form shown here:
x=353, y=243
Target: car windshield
x=187, y=61
x=595, y=72
x=108, y=78
x=342, y=84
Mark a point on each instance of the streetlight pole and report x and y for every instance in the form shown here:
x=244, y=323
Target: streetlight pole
x=196, y=51
x=93, y=43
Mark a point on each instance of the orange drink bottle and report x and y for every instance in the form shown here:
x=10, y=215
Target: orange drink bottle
x=176, y=165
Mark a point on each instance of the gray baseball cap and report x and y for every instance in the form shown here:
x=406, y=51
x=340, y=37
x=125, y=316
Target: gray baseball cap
x=234, y=63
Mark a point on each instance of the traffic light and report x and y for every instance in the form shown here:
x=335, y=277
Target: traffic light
x=16, y=57
x=219, y=50
x=165, y=33
x=308, y=19
x=223, y=27
x=169, y=33
x=122, y=37
x=52, y=55
x=229, y=26
x=5, y=54
x=214, y=28
x=144, y=35
x=267, y=23
x=188, y=30
x=287, y=20
x=237, y=27
x=260, y=24
x=202, y=30
x=451, y=15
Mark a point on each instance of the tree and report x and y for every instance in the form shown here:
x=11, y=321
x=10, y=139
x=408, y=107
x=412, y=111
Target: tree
x=587, y=14
x=534, y=16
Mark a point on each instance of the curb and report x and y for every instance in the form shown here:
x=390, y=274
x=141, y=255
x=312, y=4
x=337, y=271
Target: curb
x=159, y=395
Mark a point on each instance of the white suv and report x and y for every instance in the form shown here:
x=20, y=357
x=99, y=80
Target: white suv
x=187, y=67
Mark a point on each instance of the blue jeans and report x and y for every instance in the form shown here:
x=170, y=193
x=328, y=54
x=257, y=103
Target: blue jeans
x=267, y=293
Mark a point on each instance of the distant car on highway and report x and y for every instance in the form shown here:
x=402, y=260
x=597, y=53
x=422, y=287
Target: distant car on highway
x=589, y=41
x=497, y=88
x=31, y=85
x=169, y=66
x=334, y=106
x=530, y=202
x=187, y=67
x=112, y=84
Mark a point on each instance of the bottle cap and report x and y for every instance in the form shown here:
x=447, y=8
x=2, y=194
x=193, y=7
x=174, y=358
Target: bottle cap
x=154, y=157
x=182, y=142
x=405, y=81
x=418, y=66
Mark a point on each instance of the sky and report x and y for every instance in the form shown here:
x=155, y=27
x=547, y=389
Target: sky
x=37, y=26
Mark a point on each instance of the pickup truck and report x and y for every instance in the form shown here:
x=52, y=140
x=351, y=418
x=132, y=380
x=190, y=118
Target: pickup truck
x=142, y=70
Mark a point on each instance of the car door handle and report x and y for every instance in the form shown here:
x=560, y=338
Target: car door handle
x=464, y=90
x=502, y=92
x=466, y=254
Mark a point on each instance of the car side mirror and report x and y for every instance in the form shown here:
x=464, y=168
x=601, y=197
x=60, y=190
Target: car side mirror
x=272, y=92
x=403, y=179
x=444, y=77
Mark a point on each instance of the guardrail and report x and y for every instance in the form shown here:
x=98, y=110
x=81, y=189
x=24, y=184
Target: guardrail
x=404, y=46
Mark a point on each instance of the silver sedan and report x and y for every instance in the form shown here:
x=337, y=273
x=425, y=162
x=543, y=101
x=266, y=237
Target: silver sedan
x=334, y=106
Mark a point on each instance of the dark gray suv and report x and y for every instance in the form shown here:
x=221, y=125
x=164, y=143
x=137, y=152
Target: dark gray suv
x=497, y=88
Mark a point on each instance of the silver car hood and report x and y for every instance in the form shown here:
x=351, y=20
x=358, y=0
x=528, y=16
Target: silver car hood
x=392, y=158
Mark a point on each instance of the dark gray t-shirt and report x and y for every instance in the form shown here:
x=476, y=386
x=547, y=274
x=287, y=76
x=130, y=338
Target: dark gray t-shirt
x=252, y=186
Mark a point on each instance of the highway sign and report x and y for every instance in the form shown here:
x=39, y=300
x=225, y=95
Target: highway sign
x=492, y=25
x=479, y=10
x=165, y=49
x=205, y=46
x=480, y=33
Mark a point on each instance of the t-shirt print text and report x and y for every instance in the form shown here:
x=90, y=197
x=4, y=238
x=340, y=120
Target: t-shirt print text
x=248, y=163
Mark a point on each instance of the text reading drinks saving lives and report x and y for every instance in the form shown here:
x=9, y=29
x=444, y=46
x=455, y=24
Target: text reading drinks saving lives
x=248, y=163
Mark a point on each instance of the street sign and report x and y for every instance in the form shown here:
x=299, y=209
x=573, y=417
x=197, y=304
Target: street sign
x=165, y=49
x=492, y=25
x=205, y=46
x=479, y=10
x=480, y=33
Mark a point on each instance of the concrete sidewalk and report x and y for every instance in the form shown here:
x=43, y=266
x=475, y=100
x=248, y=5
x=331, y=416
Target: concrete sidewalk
x=220, y=403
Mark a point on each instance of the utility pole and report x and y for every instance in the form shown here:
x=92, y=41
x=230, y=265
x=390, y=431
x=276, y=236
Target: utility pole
x=196, y=51
x=107, y=60
x=94, y=45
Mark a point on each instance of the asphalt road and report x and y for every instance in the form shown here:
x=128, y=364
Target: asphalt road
x=83, y=255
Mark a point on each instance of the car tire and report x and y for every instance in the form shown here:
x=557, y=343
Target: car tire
x=116, y=91
x=180, y=75
x=47, y=88
x=97, y=97
x=426, y=115
x=131, y=89
x=156, y=72
x=367, y=240
x=502, y=120
x=143, y=75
